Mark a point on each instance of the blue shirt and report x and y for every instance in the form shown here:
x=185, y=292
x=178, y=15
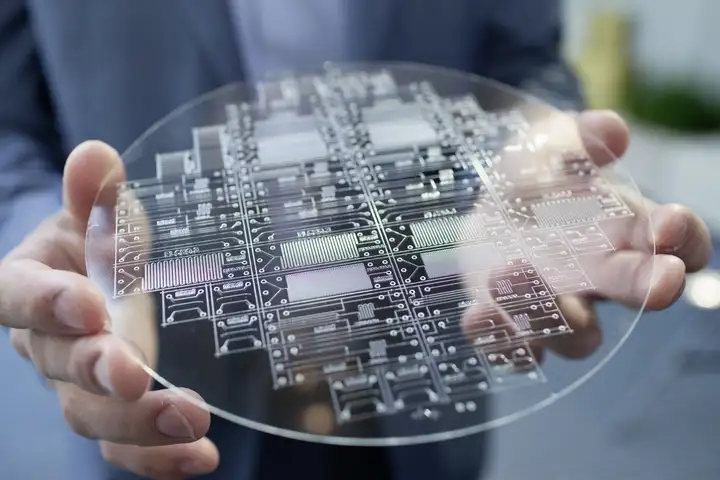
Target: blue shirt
x=277, y=35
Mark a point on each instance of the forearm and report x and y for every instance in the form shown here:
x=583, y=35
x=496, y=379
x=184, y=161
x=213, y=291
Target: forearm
x=30, y=190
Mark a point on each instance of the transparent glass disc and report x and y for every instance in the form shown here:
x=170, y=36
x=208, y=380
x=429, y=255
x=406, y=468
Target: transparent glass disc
x=368, y=254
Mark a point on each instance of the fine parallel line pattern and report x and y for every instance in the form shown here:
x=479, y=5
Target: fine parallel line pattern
x=183, y=271
x=568, y=212
x=319, y=250
x=447, y=230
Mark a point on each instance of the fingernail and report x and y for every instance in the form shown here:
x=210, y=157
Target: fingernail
x=192, y=467
x=172, y=423
x=134, y=351
x=102, y=373
x=670, y=233
x=69, y=312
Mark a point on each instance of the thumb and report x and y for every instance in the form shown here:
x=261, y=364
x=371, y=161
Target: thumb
x=92, y=172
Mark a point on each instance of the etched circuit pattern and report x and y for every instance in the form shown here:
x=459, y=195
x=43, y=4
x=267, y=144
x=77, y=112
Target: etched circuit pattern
x=348, y=225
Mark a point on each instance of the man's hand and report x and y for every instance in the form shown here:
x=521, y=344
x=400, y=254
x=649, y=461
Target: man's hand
x=669, y=239
x=57, y=320
x=653, y=250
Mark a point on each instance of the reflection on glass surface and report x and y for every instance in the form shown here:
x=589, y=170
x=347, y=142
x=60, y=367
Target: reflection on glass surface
x=371, y=254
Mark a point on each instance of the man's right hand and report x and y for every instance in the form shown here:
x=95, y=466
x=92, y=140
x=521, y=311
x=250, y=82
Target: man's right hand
x=57, y=318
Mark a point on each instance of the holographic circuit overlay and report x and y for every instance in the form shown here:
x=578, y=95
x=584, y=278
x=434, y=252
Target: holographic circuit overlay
x=362, y=240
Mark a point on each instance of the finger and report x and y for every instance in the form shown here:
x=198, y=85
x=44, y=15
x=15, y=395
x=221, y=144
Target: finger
x=173, y=461
x=492, y=322
x=673, y=240
x=495, y=316
x=91, y=174
x=18, y=340
x=601, y=135
x=119, y=230
x=487, y=324
x=666, y=229
x=635, y=278
x=681, y=233
x=35, y=296
x=558, y=151
x=158, y=418
x=102, y=364
x=92, y=168
x=95, y=198
x=677, y=230
x=586, y=334
x=604, y=134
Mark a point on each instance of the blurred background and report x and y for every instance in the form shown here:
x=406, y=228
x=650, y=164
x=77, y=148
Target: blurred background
x=652, y=412
x=658, y=62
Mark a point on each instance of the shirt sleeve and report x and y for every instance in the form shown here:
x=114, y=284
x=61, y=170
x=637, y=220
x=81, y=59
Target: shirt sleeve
x=30, y=156
x=524, y=50
x=29, y=192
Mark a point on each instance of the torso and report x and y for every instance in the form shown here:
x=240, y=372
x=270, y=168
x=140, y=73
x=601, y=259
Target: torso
x=117, y=68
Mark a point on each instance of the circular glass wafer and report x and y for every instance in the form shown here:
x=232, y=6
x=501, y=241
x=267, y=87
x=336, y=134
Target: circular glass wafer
x=368, y=254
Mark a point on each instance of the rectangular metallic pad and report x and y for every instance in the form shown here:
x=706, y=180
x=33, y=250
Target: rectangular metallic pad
x=327, y=282
x=462, y=260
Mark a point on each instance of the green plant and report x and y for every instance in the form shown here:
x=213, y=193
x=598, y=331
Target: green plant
x=675, y=105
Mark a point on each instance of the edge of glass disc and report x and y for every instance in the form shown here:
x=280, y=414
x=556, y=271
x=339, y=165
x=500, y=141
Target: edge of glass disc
x=424, y=438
